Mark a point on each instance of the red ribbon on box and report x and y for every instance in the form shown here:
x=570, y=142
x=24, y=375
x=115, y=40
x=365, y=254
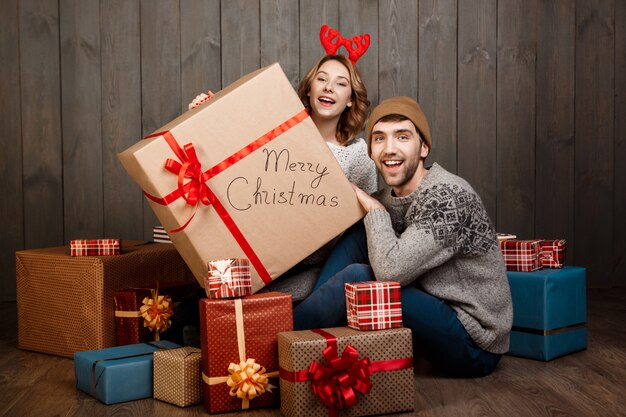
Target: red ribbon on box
x=335, y=384
x=196, y=190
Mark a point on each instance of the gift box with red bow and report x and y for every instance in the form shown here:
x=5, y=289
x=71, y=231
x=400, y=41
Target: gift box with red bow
x=239, y=350
x=228, y=278
x=342, y=371
x=95, y=247
x=553, y=253
x=245, y=175
x=78, y=293
x=373, y=305
x=144, y=314
x=521, y=255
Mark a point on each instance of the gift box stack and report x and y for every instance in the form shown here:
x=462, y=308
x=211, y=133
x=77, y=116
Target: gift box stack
x=549, y=299
x=363, y=369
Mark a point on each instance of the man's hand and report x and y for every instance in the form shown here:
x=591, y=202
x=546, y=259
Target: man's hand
x=368, y=202
x=201, y=98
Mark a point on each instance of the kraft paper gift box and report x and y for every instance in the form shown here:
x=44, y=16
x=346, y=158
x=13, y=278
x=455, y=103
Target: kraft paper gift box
x=376, y=369
x=553, y=253
x=228, y=278
x=65, y=304
x=177, y=376
x=373, y=305
x=549, y=312
x=129, y=322
x=521, y=255
x=118, y=374
x=259, y=181
x=240, y=335
x=95, y=247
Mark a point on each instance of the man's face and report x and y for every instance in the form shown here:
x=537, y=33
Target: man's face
x=397, y=151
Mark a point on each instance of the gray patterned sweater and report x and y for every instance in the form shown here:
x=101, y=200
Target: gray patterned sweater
x=441, y=239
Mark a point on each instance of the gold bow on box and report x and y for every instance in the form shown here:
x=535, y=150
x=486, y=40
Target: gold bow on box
x=156, y=312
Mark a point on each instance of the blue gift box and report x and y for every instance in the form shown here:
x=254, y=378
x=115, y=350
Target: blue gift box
x=549, y=312
x=118, y=374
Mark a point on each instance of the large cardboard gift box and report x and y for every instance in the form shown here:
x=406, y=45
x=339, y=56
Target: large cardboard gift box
x=245, y=175
x=240, y=350
x=549, y=312
x=345, y=372
x=118, y=374
x=65, y=304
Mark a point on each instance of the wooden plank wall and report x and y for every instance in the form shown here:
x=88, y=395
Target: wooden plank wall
x=525, y=99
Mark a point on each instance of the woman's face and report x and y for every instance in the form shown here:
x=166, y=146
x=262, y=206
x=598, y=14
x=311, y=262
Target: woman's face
x=331, y=90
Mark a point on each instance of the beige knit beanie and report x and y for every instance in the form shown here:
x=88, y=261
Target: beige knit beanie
x=404, y=106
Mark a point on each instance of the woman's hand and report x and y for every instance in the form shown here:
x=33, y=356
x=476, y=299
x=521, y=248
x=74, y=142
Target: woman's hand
x=367, y=201
x=201, y=98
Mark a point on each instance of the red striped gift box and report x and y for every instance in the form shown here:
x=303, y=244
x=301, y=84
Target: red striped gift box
x=228, y=278
x=373, y=305
x=521, y=255
x=159, y=235
x=94, y=247
x=553, y=253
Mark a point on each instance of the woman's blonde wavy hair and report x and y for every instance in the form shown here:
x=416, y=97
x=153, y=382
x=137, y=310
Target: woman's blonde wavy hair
x=353, y=118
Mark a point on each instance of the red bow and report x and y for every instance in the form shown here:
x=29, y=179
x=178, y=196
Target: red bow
x=196, y=189
x=335, y=384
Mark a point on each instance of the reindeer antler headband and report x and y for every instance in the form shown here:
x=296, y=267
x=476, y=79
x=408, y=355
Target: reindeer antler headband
x=356, y=46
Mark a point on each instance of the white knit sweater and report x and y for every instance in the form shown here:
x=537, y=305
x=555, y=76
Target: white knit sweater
x=356, y=164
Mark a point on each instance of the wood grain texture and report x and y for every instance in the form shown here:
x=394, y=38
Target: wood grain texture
x=314, y=14
x=280, y=37
x=398, y=48
x=619, y=227
x=12, y=208
x=517, y=56
x=588, y=383
x=438, y=77
x=241, y=39
x=357, y=17
x=82, y=134
x=40, y=92
x=201, y=61
x=477, y=86
x=593, y=216
x=121, y=115
x=554, y=164
x=160, y=74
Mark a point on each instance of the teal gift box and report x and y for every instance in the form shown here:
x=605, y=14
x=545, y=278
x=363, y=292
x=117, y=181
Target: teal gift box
x=118, y=374
x=549, y=312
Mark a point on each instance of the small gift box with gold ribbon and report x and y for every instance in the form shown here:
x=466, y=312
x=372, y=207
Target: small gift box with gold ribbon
x=95, y=247
x=239, y=350
x=228, y=278
x=373, y=305
x=342, y=371
x=145, y=314
x=177, y=376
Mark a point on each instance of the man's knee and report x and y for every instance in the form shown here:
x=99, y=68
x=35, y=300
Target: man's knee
x=357, y=273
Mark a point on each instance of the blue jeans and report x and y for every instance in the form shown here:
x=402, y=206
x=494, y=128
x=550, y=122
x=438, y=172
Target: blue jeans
x=438, y=335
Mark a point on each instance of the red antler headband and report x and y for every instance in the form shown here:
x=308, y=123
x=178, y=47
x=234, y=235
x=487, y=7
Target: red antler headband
x=356, y=46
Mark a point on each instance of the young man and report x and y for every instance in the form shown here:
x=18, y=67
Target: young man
x=430, y=231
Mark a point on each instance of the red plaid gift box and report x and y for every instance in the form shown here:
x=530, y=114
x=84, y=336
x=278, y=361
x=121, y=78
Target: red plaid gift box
x=553, y=253
x=94, y=247
x=521, y=255
x=228, y=278
x=373, y=305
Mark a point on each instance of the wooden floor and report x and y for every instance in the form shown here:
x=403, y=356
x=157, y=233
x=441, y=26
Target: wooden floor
x=588, y=383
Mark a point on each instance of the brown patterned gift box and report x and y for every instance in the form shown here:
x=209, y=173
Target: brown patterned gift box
x=129, y=323
x=376, y=367
x=238, y=338
x=177, y=376
x=65, y=304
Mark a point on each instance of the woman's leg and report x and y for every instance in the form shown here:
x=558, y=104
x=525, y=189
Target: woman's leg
x=326, y=306
x=350, y=249
x=440, y=337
